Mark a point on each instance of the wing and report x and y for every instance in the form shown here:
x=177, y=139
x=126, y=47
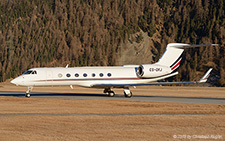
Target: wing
x=202, y=80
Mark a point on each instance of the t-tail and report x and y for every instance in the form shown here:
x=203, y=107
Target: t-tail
x=168, y=63
x=173, y=54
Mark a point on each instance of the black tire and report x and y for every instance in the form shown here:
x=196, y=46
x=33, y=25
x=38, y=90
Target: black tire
x=128, y=95
x=27, y=95
x=111, y=94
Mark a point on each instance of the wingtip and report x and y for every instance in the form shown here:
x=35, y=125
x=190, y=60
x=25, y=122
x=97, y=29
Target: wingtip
x=206, y=76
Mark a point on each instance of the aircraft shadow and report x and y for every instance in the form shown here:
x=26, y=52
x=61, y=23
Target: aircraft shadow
x=15, y=94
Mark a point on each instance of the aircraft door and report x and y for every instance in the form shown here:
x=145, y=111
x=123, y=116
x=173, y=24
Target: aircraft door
x=49, y=78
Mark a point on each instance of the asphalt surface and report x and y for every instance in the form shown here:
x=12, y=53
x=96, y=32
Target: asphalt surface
x=91, y=96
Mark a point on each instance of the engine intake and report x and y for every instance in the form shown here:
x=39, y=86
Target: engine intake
x=140, y=71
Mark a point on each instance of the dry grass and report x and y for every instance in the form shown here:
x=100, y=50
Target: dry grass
x=74, y=119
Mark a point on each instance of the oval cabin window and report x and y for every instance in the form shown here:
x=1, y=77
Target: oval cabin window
x=76, y=75
x=85, y=75
x=101, y=75
x=59, y=75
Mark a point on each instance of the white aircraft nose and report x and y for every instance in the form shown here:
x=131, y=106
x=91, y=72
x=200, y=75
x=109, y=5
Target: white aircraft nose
x=14, y=81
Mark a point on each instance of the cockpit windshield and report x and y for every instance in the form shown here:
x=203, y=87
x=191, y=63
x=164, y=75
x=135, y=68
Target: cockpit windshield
x=34, y=72
x=30, y=72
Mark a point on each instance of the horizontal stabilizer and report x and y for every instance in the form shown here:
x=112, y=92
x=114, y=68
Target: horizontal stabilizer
x=183, y=46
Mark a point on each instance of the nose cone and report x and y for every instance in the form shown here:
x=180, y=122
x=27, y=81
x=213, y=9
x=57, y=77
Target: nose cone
x=14, y=81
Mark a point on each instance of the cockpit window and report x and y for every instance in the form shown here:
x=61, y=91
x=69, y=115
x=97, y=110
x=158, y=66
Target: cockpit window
x=28, y=72
x=31, y=72
x=34, y=72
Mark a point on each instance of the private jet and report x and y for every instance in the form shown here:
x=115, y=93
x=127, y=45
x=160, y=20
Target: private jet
x=111, y=77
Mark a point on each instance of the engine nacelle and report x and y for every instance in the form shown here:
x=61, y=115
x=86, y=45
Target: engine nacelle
x=152, y=70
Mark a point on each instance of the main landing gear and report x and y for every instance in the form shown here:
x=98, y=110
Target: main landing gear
x=127, y=93
x=110, y=93
x=28, y=92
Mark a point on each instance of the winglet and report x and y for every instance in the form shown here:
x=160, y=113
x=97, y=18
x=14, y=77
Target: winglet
x=67, y=65
x=205, y=77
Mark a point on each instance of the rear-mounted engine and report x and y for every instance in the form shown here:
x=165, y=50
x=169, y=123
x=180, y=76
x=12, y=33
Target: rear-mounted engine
x=148, y=71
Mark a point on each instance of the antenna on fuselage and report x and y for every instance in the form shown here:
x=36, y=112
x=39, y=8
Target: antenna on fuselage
x=67, y=65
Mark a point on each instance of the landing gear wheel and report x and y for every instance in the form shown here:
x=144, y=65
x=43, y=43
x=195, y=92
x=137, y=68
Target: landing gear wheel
x=111, y=94
x=28, y=92
x=27, y=95
x=128, y=95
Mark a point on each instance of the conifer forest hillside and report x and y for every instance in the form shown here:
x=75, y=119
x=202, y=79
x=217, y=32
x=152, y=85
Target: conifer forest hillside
x=53, y=33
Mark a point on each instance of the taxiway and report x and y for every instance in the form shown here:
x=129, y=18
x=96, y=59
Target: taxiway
x=94, y=96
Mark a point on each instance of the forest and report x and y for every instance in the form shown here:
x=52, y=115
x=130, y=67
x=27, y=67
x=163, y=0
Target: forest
x=53, y=33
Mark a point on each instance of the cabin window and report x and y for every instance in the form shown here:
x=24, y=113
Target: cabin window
x=101, y=75
x=68, y=75
x=76, y=75
x=93, y=74
x=85, y=75
x=109, y=74
x=59, y=75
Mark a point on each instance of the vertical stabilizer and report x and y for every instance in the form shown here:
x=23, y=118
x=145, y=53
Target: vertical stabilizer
x=173, y=54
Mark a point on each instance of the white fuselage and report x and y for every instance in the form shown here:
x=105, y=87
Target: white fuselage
x=83, y=76
x=110, y=77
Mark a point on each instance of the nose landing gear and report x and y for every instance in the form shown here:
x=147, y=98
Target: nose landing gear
x=28, y=92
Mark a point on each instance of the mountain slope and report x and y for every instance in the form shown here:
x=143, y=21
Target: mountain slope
x=37, y=33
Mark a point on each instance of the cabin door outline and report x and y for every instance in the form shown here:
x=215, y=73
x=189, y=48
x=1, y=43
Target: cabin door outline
x=49, y=79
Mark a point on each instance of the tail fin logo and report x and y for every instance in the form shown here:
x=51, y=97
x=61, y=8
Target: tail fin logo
x=176, y=64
